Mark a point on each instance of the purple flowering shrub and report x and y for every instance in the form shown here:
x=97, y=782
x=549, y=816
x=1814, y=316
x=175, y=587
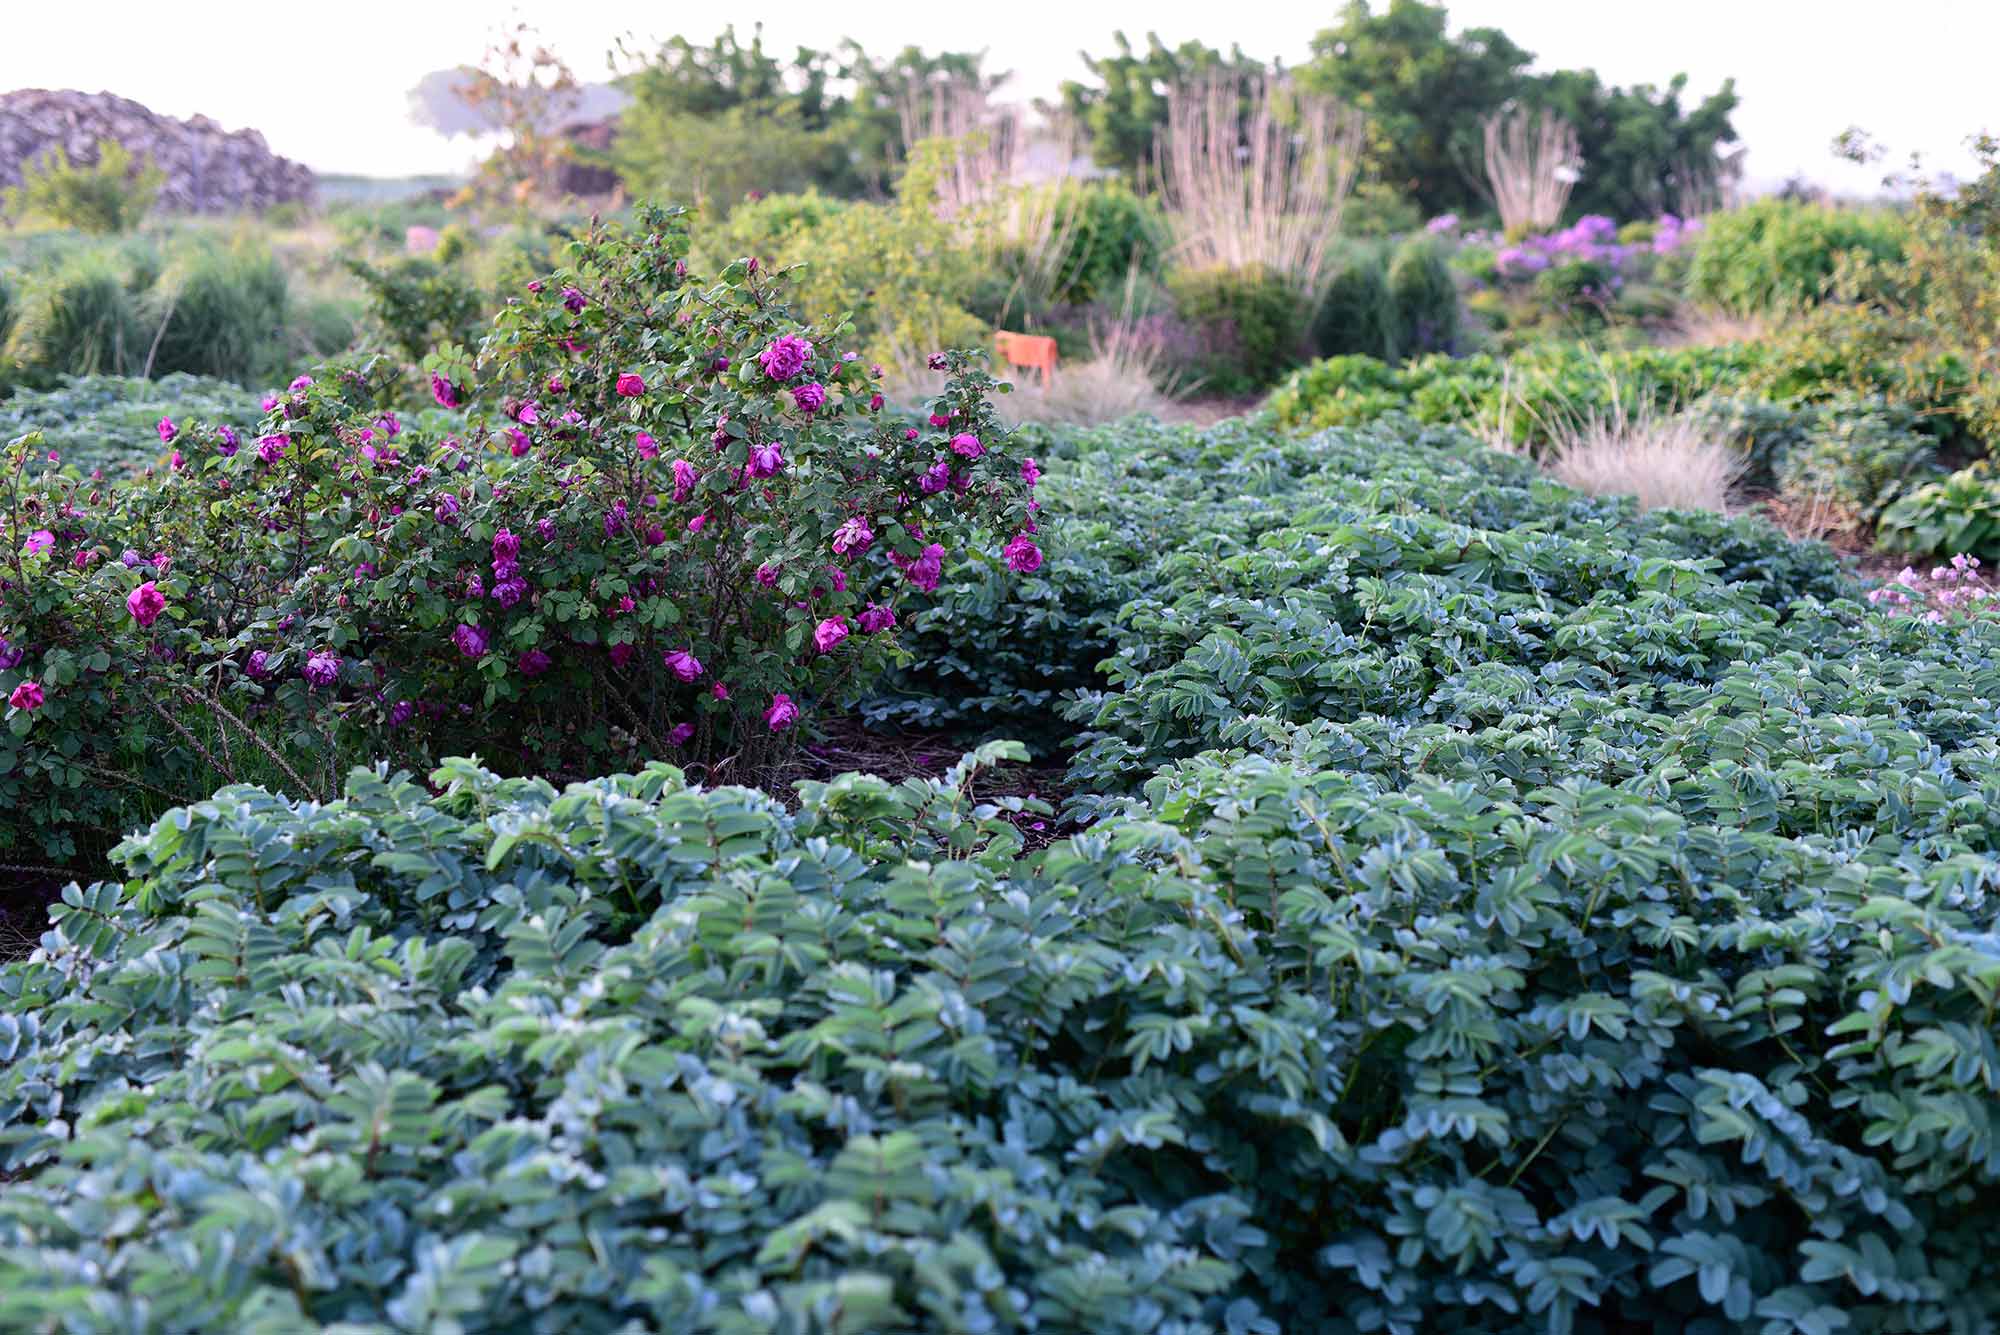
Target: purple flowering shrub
x=671, y=520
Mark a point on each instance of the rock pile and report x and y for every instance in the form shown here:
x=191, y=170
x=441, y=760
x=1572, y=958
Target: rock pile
x=207, y=169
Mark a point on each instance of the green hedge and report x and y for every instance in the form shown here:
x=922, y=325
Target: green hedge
x=1772, y=255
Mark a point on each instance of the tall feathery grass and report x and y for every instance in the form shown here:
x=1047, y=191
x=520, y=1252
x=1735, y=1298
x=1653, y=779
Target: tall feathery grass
x=1533, y=161
x=1255, y=174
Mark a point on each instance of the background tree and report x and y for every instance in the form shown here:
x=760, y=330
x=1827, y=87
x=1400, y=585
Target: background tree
x=526, y=91
x=1425, y=94
x=1124, y=111
x=730, y=118
x=1643, y=153
x=872, y=126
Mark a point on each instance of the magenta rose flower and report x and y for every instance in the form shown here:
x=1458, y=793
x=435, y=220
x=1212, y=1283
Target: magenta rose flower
x=810, y=397
x=853, y=536
x=785, y=358
x=766, y=460
x=875, y=618
x=830, y=633
x=967, y=445
x=38, y=541
x=1023, y=557
x=782, y=713
x=443, y=391
x=28, y=695
x=630, y=386
x=322, y=669
x=145, y=603
x=471, y=640
x=648, y=448
x=532, y=663
x=681, y=734
x=682, y=664
x=167, y=430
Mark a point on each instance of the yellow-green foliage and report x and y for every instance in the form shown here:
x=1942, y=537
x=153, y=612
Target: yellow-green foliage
x=107, y=196
x=896, y=268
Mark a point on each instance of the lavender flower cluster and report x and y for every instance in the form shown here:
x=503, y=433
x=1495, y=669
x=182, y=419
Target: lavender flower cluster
x=1591, y=238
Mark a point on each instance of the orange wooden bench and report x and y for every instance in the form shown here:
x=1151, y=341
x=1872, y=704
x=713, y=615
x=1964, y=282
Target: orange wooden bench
x=1032, y=351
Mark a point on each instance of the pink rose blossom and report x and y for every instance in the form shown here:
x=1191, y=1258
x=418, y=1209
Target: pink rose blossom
x=28, y=695
x=785, y=358
x=853, y=536
x=782, y=713
x=682, y=664
x=829, y=633
x=145, y=603
x=1023, y=557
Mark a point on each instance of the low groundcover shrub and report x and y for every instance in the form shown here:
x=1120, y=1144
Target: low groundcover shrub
x=1278, y=1047
x=1501, y=912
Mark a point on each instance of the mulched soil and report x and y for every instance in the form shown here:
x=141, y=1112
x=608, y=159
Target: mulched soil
x=27, y=890
x=849, y=746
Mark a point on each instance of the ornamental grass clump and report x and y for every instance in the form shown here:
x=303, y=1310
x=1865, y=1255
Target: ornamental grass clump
x=649, y=471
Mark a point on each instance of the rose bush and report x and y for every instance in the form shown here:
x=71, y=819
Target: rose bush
x=669, y=516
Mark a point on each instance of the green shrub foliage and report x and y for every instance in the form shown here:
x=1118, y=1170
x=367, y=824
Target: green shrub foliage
x=1425, y=297
x=1777, y=255
x=685, y=525
x=1957, y=515
x=1358, y=314
x=110, y=194
x=1521, y=398
x=1567, y=1001
x=1253, y=322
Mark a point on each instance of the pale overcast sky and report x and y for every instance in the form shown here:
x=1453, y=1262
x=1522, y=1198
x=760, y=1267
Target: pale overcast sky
x=326, y=84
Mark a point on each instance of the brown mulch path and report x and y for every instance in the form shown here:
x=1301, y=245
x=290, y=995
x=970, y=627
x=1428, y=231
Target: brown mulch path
x=850, y=746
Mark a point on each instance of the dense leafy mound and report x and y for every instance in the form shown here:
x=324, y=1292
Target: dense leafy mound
x=1520, y=399
x=112, y=422
x=1519, y=915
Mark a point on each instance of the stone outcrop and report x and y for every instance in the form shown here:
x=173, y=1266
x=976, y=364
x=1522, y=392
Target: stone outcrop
x=207, y=169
